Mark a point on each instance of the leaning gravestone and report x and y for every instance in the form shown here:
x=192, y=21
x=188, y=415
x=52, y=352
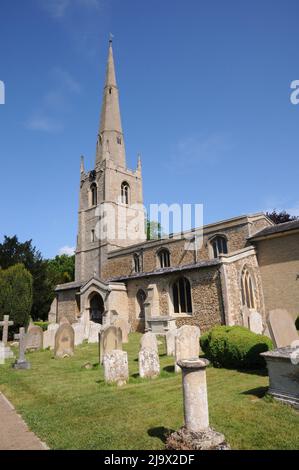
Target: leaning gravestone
x=125, y=328
x=64, y=341
x=116, y=369
x=282, y=328
x=34, y=338
x=94, y=330
x=256, y=322
x=186, y=344
x=149, y=341
x=21, y=363
x=110, y=338
x=170, y=341
x=49, y=336
x=149, y=365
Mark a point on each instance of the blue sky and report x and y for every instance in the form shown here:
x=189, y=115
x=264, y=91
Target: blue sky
x=205, y=98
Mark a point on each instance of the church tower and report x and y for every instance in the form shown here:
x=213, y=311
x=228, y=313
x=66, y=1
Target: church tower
x=111, y=214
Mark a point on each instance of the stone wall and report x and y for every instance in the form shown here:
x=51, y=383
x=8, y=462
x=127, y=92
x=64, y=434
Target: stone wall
x=278, y=259
x=67, y=305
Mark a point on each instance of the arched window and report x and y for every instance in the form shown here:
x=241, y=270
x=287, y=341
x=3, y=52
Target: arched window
x=181, y=294
x=94, y=194
x=219, y=245
x=141, y=297
x=247, y=289
x=137, y=263
x=125, y=190
x=164, y=258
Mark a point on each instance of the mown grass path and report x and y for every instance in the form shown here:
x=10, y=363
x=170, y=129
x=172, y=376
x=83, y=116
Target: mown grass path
x=70, y=407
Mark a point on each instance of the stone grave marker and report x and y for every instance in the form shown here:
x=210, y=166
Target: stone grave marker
x=79, y=331
x=64, y=341
x=94, y=330
x=5, y=324
x=116, y=369
x=149, y=365
x=21, y=363
x=49, y=336
x=170, y=341
x=256, y=322
x=149, y=341
x=186, y=344
x=125, y=328
x=282, y=328
x=34, y=338
x=110, y=338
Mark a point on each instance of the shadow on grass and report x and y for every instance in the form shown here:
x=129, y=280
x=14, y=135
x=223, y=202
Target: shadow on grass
x=258, y=392
x=169, y=369
x=160, y=432
x=260, y=372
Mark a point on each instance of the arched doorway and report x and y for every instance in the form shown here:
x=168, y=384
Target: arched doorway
x=96, y=308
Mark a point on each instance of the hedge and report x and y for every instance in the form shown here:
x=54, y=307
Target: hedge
x=43, y=324
x=235, y=347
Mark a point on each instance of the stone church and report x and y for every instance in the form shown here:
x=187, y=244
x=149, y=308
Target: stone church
x=159, y=284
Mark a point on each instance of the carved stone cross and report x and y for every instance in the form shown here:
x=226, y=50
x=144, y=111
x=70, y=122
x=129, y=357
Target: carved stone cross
x=5, y=323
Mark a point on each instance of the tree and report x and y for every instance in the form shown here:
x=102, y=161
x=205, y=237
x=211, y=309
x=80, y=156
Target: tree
x=16, y=294
x=14, y=252
x=280, y=217
x=154, y=230
x=61, y=269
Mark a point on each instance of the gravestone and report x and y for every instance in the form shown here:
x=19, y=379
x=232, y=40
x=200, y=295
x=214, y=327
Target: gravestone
x=149, y=365
x=49, y=336
x=186, y=344
x=5, y=324
x=149, y=341
x=116, y=368
x=79, y=331
x=21, y=363
x=94, y=330
x=125, y=328
x=110, y=338
x=170, y=342
x=34, y=338
x=256, y=322
x=64, y=341
x=282, y=328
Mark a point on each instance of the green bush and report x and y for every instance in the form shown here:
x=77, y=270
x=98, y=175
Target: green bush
x=297, y=323
x=16, y=294
x=235, y=347
x=43, y=324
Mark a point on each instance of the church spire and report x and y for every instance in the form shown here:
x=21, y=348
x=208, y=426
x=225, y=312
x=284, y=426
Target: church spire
x=110, y=144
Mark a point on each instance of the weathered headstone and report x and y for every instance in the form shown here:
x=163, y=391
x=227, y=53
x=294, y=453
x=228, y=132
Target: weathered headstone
x=149, y=365
x=34, y=338
x=5, y=324
x=49, y=336
x=110, y=338
x=79, y=331
x=149, y=341
x=186, y=344
x=196, y=434
x=21, y=363
x=64, y=341
x=94, y=330
x=256, y=322
x=125, y=328
x=170, y=341
x=282, y=328
x=116, y=369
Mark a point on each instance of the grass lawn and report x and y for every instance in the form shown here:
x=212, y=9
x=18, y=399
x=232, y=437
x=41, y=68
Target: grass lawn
x=69, y=407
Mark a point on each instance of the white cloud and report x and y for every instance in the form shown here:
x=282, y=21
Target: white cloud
x=43, y=123
x=58, y=8
x=67, y=250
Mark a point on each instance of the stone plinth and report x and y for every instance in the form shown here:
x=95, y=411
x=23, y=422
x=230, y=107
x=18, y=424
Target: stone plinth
x=196, y=434
x=160, y=325
x=283, y=369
